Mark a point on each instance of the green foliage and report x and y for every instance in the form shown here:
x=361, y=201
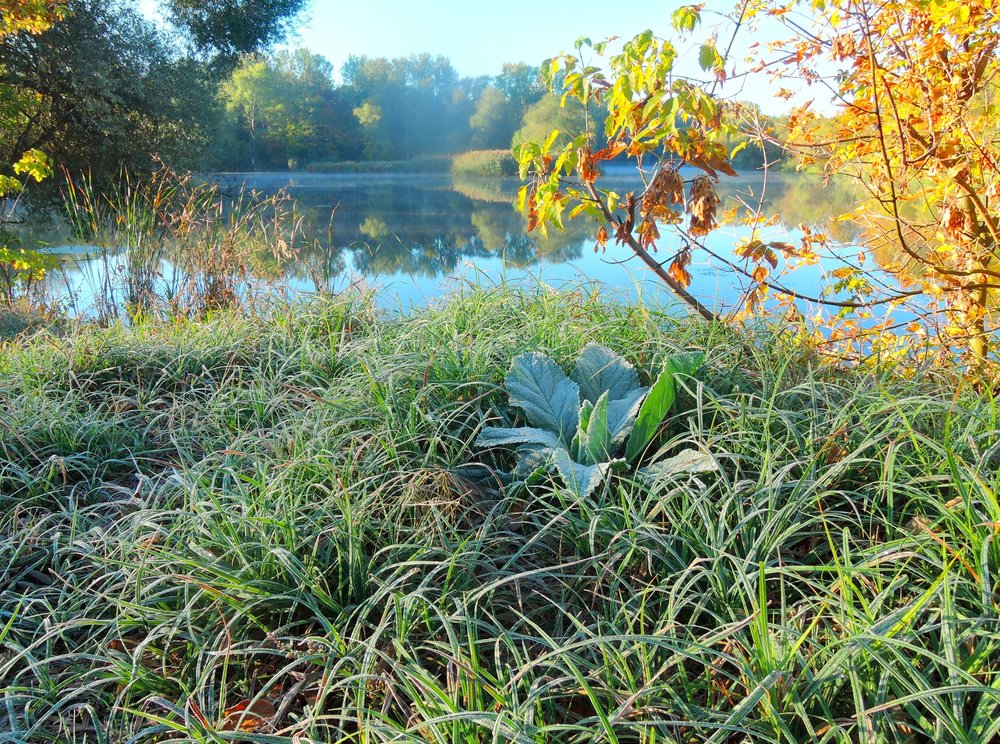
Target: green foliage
x=551, y=113
x=289, y=109
x=101, y=89
x=408, y=106
x=594, y=422
x=687, y=17
x=494, y=120
x=21, y=269
x=230, y=29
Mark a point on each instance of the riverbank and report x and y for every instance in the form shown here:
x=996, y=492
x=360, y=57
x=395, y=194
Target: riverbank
x=282, y=527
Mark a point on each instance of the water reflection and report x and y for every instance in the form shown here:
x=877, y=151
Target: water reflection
x=413, y=234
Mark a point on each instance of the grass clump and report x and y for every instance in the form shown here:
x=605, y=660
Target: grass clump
x=280, y=531
x=485, y=163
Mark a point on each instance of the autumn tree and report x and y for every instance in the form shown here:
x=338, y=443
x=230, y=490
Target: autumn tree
x=636, y=105
x=17, y=264
x=916, y=85
x=29, y=16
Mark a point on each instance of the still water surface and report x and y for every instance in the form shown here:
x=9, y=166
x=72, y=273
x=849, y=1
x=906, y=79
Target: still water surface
x=417, y=238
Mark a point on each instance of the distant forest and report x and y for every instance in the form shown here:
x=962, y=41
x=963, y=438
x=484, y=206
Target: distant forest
x=106, y=88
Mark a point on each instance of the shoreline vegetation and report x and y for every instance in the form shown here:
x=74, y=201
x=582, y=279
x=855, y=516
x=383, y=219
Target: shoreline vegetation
x=470, y=163
x=277, y=528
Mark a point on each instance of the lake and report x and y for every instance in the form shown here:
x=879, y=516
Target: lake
x=416, y=238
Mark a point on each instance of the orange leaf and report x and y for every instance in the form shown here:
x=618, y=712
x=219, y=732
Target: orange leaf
x=610, y=152
x=248, y=716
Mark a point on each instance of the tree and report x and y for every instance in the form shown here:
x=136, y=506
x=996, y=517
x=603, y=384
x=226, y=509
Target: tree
x=501, y=106
x=28, y=17
x=552, y=113
x=102, y=90
x=916, y=85
x=231, y=28
x=19, y=265
x=520, y=83
x=287, y=103
x=245, y=92
x=642, y=110
x=494, y=119
x=410, y=106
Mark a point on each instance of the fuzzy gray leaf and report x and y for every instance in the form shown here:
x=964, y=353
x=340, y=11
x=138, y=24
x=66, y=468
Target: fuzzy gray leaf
x=594, y=437
x=599, y=369
x=622, y=414
x=583, y=480
x=532, y=461
x=688, y=462
x=493, y=436
x=549, y=399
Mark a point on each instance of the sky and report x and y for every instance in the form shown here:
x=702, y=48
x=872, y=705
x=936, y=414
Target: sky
x=478, y=36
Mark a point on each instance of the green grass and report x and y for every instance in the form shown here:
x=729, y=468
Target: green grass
x=485, y=163
x=195, y=516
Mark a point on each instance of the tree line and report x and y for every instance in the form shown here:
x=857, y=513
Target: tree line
x=284, y=109
x=100, y=87
x=105, y=89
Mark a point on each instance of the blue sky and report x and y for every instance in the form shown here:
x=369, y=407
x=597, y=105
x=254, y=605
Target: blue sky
x=478, y=36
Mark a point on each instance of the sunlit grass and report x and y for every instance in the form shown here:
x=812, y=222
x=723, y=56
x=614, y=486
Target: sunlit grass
x=286, y=515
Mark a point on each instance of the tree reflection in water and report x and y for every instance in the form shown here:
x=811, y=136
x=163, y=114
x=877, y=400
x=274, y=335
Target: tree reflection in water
x=420, y=229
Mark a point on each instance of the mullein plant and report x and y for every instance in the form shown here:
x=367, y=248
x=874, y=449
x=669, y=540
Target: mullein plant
x=593, y=422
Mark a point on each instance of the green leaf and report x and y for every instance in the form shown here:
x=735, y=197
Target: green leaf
x=34, y=163
x=654, y=409
x=9, y=185
x=621, y=416
x=549, y=399
x=689, y=462
x=686, y=18
x=708, y=57
x=532, y=463
x=659, y=400
x=581, y=479
x=595, y=437
x=549, y=141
